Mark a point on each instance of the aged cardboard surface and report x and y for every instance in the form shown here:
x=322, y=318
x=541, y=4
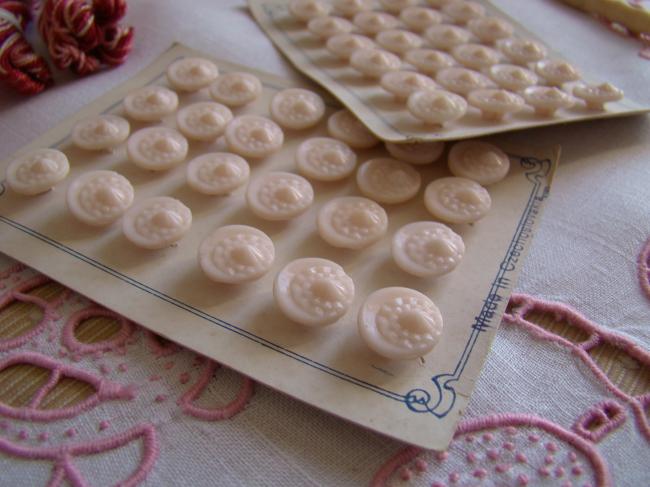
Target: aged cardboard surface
x=385, y=117
x=418, y=402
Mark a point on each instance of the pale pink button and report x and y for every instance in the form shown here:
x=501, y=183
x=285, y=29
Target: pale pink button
x=297, y=108
x=325, y=159
x=254, y=136
x=305, y=10
x=236, y=89
x=371, y=23
x=556, y=72
x=313, y=291
x=398, y=41
x=490, y=29
x=522, y=51
x=99, y=198
x=595, y=96
x=343, y=45
x=388, y=180
x=511, y=77
x=157, y=148
x=37, y=171
x=100, y=132
x=325, y=27
x=399, y=323
x=420, y=18
x=462, y=80
x=235, y=254
x=150, y=103
x=429, y=61
x=344, y=126
x=349, y=8
x=396, y=6
x=475, y=56
x=191, y=74
x=279, y=196
x=457, y=200
x=495, y=104
x=547, y=100
x=402, y=84
x=203, y=120
x=157, y=222
x=436, y=107
x=217, y=173
x=352, y=222
x=463, y=12
x=445, y=37
x=427, y=249
x=374, y=62
x=479, y=161
x=416, y=152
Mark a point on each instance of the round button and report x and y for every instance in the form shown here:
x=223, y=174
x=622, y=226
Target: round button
x=511, y=77
x=37, y=171
x=463, y=12
x=462, y=80
x=150, y=104
x=457, y=200
x=398, y=41
x=305, y=10
x=191, y=74
x=427, y=249
x=217, y=173
x=475, y=56
x=297, y=109
x=374, y=62
x=352, y=222
x=479, y=161
x=279, y=196
x=99, y=198
x=429, y=61
x=325, y=159
x=236, y=89
x=416, y=152
x=547, y=100
x=313, y=292
x=436, y=107
x=372, y=23
x=396, y=6
x=495, y=104
x=157, y=222
x=445, y=36
x=203, y=121
x=157, y=148
x=349, y=8
x=595, y=96
x=388, y=180
x=556, y=72
x=399, y=323
x=522, y=51
x=326, y=27
x=236, y=254
x=420, y=18
x=254, y=136
x=347, y=128
x=402, y=84
x=100, y=132
x=490, y=29
x=343, y=45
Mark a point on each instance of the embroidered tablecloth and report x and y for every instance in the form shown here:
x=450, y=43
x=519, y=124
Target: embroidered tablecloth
x=89, y=398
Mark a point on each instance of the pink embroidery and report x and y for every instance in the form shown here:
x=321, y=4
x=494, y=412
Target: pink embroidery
x=12, y=269
x=644, y=259
x=104, y=390
x=157, y=346
x=19, y=293
x=104, y=424
x=219, y=413
x=22, y=435
x=599, y=420
x=64, y=469
x=71, y=432
x=118, y=340
x=519, y=307
x=495, y=422
x=43, y=436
